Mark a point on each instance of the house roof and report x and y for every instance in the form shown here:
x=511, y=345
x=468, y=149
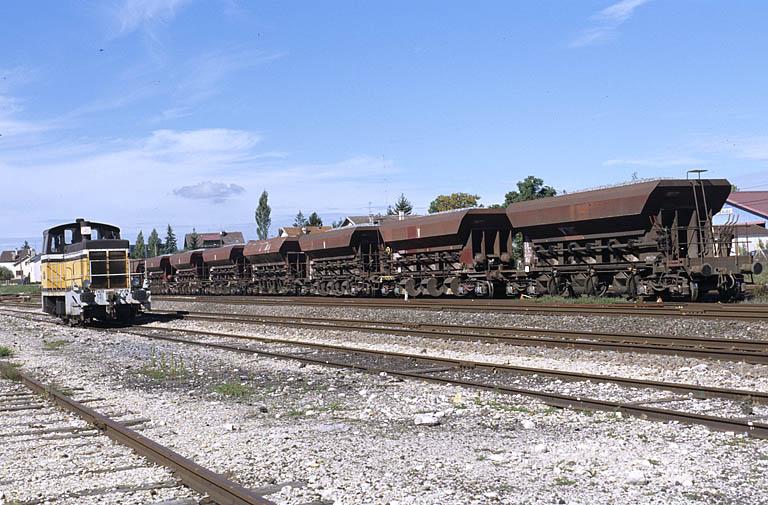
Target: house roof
x=7, y=256
x=225, y=237
x=754, y=202
x=295, y=231
x=350, y=220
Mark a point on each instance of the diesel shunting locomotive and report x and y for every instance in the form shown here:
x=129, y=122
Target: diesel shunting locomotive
x=86, y=274
x=650, y=239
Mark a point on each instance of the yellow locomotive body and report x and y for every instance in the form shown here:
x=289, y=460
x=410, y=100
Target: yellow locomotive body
x=86, y=274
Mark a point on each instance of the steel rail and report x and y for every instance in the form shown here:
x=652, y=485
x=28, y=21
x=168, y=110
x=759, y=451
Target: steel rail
x=466, y=332
x=221, y=490
x=721, y=349
x=758, y=430
x=699, y=310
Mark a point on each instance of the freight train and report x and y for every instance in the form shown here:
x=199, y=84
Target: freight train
x=652, y=239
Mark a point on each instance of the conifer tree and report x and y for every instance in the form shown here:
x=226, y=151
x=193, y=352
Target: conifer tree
x=139, y=248
x=170, y=241
x=263, y=219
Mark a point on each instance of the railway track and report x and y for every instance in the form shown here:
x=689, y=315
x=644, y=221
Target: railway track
x=741, y=311
x=749, y=351
x=492, y=376
x=16, y=399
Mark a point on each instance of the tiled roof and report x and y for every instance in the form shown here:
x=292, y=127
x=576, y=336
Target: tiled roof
x=754, y=202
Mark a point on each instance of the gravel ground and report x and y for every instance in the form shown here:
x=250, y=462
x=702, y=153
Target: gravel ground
x=719, y=328
x=652, y=367
x=50, y=456
x=317, y=434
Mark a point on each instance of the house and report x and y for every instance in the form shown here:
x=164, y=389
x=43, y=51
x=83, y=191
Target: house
x=21, y=264
x=295, y=231
x=8, y=260
x=377, y=219
x=216, y=239
x=746, y=212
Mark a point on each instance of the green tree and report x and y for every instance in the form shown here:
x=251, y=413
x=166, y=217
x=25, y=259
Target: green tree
x=300, y=220
x=139, y=249
x=263, y=219
x=314, y=220
x=337, y=224
x=170, y=241
x=5, y=274
x=153, y=244
x=529, y=188
x=453, y=201
x=402, y=205
x=194, y=240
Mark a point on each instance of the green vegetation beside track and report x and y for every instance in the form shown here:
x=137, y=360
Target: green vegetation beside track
x=20, y=289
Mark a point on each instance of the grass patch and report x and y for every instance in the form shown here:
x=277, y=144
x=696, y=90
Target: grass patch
x=165, y=367
x=5, y=352
x=58, y=388
x=233, y=390
x=579, y=300
x=564, y=481
x=54, y=345
x=20, y=289
x=10, y=371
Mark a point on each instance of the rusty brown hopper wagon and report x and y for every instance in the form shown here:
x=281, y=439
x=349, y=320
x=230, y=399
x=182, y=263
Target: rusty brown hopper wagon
x=278, y=266
x=448, y=252
x=160, y=272
x=225, y=267
x=189, y=271
x=344, y=261
x=647, y=238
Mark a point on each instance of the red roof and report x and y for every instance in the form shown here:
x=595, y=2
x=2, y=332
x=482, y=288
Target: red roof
x=754, y=202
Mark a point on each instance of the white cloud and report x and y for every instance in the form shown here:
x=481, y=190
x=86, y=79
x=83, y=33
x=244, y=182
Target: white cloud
x=607, y=22
x=132, y=14
x=179, y=177
x=216, y=192
x=10, y=125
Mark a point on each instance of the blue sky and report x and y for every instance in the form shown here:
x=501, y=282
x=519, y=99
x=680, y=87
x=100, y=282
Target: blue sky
x=144, y=113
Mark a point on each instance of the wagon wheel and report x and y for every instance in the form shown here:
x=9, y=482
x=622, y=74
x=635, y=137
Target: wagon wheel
x=595, y=287
x=411, y=289
x=452, y=284
x=433, y=287
x=344, y=288
x=632, y=287
x=558, y=286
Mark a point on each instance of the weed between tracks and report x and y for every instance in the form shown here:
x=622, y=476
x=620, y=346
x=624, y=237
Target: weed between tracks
x=165, y=367
x=10, y=371
x=54, y=345
x=5, y=352
x=233, y=390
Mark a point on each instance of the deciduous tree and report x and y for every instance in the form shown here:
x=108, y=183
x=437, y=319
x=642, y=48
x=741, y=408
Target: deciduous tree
x=529, y=188
x=453, y=201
